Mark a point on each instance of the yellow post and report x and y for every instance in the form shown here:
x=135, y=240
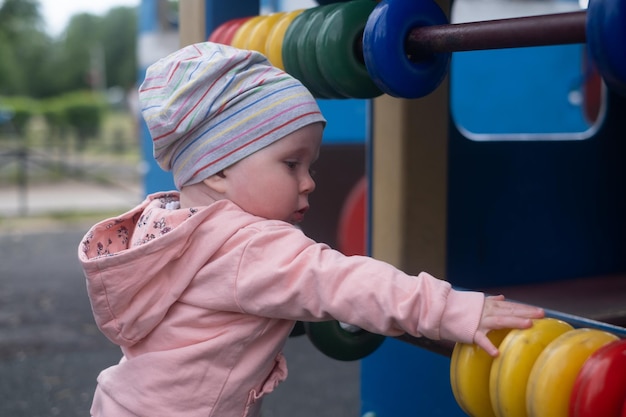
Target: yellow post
x=192, y=25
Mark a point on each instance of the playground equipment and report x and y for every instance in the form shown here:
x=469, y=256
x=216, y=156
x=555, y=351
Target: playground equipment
x=539, y=219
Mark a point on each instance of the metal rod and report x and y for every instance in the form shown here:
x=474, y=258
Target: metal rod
x=578, y=321
x=543, y=30
x=444, y=347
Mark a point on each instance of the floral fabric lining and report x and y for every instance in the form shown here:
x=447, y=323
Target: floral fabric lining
x=160, y=216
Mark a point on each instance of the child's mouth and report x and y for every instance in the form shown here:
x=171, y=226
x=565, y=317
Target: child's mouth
x=298, y=216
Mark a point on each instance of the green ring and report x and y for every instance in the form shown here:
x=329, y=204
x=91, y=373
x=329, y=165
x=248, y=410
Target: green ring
x=336, y=48
x=290, y=45
x=298, y=329
x=307, y=56
x=333, y=341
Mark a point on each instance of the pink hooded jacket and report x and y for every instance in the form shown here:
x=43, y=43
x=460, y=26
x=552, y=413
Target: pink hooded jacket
x=202, y=300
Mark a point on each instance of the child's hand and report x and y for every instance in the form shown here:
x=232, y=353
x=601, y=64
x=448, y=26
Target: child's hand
x=500, y=314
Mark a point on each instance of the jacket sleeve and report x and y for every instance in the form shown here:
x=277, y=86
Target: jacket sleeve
x=284, y=274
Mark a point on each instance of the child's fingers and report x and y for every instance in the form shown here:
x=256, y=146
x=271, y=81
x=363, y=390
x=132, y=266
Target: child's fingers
x=483, y=341
x=497, y=306
x=507, y=315
x=501, y=314
x=505, y=322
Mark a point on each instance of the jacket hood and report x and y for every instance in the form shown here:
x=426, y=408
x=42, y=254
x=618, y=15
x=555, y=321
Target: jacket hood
x=135, y=265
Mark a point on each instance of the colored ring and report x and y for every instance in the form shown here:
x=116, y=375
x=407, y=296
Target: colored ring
x=290, y=47
x=258, y=35
x=470, y=366
x=242, y=35
x=274, y=42
x=352, y=227
x=333, y=341
x=298, y=330
x=336, y=49
x=218, y=33
x=383, y=48
x=553, y=375
x=600, y=386
x=307, y=56
x=606, y=31
x=229, y=34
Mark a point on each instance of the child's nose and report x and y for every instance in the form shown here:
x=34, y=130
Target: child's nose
x=308, y=184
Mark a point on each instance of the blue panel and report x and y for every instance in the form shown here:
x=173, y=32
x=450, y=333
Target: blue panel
x=217, y=12
x=402, y=380
x=347, y=121
x=516, y=90
x=528, y=212
x=148, y=16
x=155, y=179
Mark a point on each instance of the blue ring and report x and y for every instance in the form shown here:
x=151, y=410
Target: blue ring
x=383, y=48
x=606, y=33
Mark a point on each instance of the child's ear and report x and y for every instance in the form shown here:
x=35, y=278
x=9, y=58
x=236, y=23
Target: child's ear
x=216, y=182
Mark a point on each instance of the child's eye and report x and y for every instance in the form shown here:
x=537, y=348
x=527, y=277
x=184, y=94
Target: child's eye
x=291, y=164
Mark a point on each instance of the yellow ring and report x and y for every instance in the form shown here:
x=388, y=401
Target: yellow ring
x=274, y=41
x=242, y=35
x=259, y=33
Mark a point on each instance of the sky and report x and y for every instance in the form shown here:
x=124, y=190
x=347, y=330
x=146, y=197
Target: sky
x=57, y=13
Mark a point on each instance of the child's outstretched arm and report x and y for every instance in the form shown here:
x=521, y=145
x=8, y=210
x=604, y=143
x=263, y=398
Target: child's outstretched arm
x=501, y=314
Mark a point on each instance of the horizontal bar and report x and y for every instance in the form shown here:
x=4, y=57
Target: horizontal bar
x=542, y=30
x=578, y=321
x=444, y=347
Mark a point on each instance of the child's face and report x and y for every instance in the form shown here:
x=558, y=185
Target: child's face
x=275, y=182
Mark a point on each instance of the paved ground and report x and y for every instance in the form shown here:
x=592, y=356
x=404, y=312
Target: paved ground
x=50, y=349
x=66, y=196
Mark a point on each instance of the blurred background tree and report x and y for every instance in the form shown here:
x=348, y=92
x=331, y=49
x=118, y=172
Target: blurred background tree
x=64, y=98
x=93, y=52
x=20, y=23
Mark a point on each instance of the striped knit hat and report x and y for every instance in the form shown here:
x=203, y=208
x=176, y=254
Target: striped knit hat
x=208, y=106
